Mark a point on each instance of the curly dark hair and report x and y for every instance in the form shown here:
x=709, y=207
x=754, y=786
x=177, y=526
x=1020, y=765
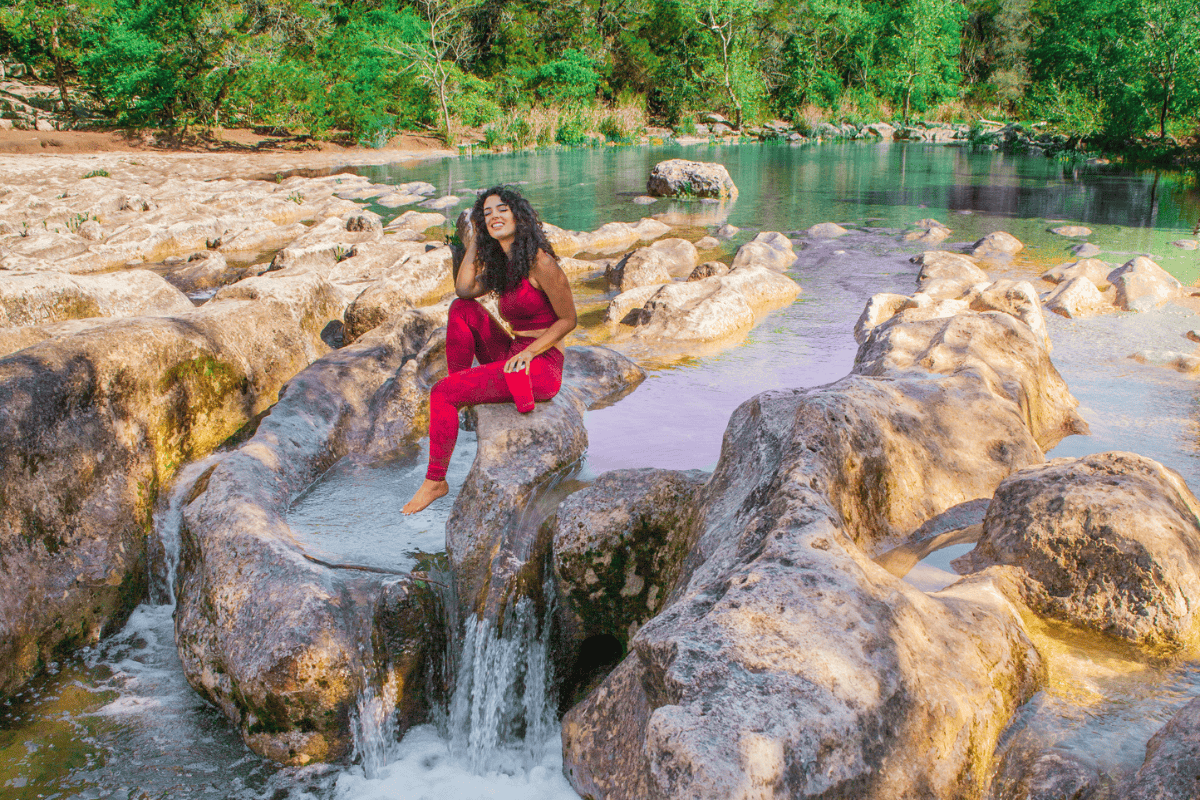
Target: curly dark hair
x=504, y=272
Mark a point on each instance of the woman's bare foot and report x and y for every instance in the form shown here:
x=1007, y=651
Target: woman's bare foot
x=429, y=491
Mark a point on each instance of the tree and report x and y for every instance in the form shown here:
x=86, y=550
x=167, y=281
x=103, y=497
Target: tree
x=817, y=35
x=924, y=56
x=57, y=28
x=728, y=21
x=436, y=53
x=1168, y=50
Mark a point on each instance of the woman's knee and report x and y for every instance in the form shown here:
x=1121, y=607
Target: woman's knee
x=465, y=308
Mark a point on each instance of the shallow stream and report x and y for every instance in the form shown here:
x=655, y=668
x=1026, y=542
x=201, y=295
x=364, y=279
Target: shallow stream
x=119, y=720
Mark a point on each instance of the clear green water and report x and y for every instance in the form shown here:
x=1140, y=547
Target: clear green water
x=121, y=722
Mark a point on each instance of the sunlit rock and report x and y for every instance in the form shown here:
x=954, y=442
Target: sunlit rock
x=1108, y=542
x=768, y=249
x=1072, y=230
x=642, y=267
x=283, y=644
x=203, y=271
x=681, y=253
x=614, y=236
x=826, y=230
x=1143, y=285
x=92, y=426
x=1093, y=269
x=997, y=245
x=32, y=298
x=707, y=270
x=493, y=535
x=418, y=221
x=1182, y=244
x=680, y=177
x=1086, y=250
x=708, y=243
x=1018, y=299
x=941, y=264
x=1076, y=298
x=929, y=231
x=880, y=308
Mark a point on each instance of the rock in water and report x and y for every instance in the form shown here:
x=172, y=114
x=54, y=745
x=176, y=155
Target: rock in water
x=1093, y=269
x=769, y=249
x=1172, y=767
x=1142, y=285
x=1108, y=541
x=1076, y=298
x=1072, y=230
x=492, y=536
x=679, y=177
x=997, y=245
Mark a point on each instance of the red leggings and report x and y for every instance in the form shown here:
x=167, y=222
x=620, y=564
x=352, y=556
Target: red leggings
x=472, y=333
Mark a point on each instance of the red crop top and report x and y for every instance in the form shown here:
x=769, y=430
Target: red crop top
x=526, y=308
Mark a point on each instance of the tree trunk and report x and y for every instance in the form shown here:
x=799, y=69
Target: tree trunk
x=59, y=78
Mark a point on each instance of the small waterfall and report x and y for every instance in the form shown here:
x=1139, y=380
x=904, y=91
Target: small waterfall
x=374, y=725
x=168, y=518
x=502, y=709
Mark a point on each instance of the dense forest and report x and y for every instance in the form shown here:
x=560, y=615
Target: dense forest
x=537, y=71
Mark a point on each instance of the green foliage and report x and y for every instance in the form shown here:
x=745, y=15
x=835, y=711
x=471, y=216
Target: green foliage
x=570, y=79
x=96, y=173
x=572, y=131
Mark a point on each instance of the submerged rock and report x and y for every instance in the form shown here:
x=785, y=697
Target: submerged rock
x=283, y=644
x=1172, y=767
x=493, y=535
x=92, y=425
x=680, y=177
x=1108, y=542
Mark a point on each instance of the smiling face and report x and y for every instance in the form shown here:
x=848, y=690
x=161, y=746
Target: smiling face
x=498, y=220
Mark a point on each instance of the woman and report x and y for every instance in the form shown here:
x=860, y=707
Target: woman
x=509, y=254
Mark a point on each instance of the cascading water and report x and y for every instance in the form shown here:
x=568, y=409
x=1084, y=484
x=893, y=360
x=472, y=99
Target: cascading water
x=168, y=518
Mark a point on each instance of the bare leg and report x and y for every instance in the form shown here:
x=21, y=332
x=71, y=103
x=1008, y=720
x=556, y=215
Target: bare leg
x=429, y=491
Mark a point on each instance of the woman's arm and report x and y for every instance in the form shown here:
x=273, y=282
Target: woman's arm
x=547, y=275
x=466, y=283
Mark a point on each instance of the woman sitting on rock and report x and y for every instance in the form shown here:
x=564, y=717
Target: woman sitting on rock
x=513, y=258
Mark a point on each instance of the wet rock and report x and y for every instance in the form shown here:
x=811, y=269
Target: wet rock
x=954, y=266
x=712, y=308
x=680, y=177
x=619, y=307
x=416, y=221
x=708, y=243
x=929, y=231
x=1077, y=298
x=492, y=535
x=1086, y=250
x=1046, y=775
x=768, y=249
x=1143, y=285
x=33, y=298
x=1182, y=244
x=728, y=231
x=642, y=267
x=1108, y=542
x=1171, y=770
x=826, y=230
x=645, y=200
x=1093, y=269
x=997, y=245
x=1180, y=362
x=681, y=253
x=707, y=270
x=1018, y=299
x=91, y=426
x=1072, y=230
x=618, y=549
x=783, y=644
x=283, y=644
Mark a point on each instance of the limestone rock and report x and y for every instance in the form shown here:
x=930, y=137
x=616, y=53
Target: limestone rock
x=997, y=245
x=417, y=221
x=681, y=253
x=929, y=231
x=378, y=302
x=880, y=308
x=728, y=231
x=1172, y=767
x=1182, y=244
x=614, y=236
x=1072, y=230
x=272, y=638
x=642, y=267
x=708, y=243
x=1018, y=299
x=1142, y=285
x=1108, y=542
x=826, y=230
x=881, y=129
x=679, y=176
x=33, y=298
x=1093, y=269
x=203, y=271
x=712, y=308
x=519, y=455
x=941, y=264
x=1076, y=298
x=620, y=306
x=1086, y=250
x=768, y=249
x=91, y=426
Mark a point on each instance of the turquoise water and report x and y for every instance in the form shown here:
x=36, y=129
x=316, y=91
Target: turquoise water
x=120, y=721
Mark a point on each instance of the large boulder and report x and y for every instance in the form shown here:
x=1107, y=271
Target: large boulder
x=378, y=302
x=33, y=298
x=287, y=646
x=91, y=427
x=954, y=266
x=768, y=249
x=1109, y=542
x=1171, y=770
x=679, y=177
x=1143, y=285
x=1015, y=298
x=493, y=536
x=784, y=645
x=680, y=253
x=643, y=267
